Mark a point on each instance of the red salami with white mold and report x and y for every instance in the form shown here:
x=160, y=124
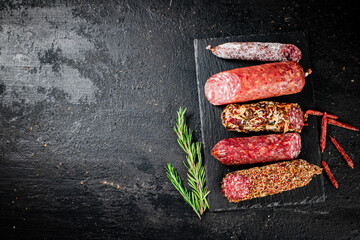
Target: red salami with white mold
x=257, y=149
x=255, y=82
x=257, y=51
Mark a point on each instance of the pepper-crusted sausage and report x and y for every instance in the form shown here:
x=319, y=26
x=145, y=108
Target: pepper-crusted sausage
x=268, y=180
x=255, y=82
x=257, y=149
x=263, y=116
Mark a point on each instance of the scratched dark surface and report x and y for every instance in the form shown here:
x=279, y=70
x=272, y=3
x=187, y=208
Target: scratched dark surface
x=89, y=92
x=213, y=131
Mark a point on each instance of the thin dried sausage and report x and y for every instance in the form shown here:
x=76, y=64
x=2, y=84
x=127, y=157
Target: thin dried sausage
x=257, y=51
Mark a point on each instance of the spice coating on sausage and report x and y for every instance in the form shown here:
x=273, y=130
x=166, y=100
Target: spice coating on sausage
x=257, y=149
x=255, y=82
x=268, y=180
x=263, y=116
x=257, y=51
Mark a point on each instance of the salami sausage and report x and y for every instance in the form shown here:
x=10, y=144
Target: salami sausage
x=257, y=149
x=263, y=116
x=268, y=180
x=257, y=51
x=255, y=82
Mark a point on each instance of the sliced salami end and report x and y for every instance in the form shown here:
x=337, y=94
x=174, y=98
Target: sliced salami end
x=295, y=145
x=292, y=53
x=296, y=118
x=222, y=88
x=235, y=186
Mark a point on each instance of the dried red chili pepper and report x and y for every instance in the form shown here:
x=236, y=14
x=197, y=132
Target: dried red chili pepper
x=342, y=152
x=317, y=113
x=323, y=132
x=329, y=173
x=340, y=124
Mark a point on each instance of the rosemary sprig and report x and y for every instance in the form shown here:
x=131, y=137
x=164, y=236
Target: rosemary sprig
x=196, y=171
x=176, y=181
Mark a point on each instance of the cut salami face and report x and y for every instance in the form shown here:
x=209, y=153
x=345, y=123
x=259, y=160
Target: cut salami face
x=235, y=186
x=257, y=51
x=255, y=82
x=268, y=180
x=263, y=116
x=257, y=149
x=292, y=52
x=296, y=118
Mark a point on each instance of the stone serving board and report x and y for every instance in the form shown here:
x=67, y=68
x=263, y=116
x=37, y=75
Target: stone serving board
x=212, y=130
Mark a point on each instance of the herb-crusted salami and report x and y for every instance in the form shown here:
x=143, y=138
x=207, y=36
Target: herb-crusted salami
x=257, y=51
x=268, y=180
x=257, y=149
x=255, y=82
x=263, y=116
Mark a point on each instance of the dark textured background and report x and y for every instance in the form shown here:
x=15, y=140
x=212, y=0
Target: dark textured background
x=89, y=93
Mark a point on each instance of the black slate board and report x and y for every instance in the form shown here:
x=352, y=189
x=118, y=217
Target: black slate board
x=212, y=130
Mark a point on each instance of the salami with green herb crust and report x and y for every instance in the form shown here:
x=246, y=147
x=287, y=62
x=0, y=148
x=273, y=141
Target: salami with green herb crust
x=263, y=116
